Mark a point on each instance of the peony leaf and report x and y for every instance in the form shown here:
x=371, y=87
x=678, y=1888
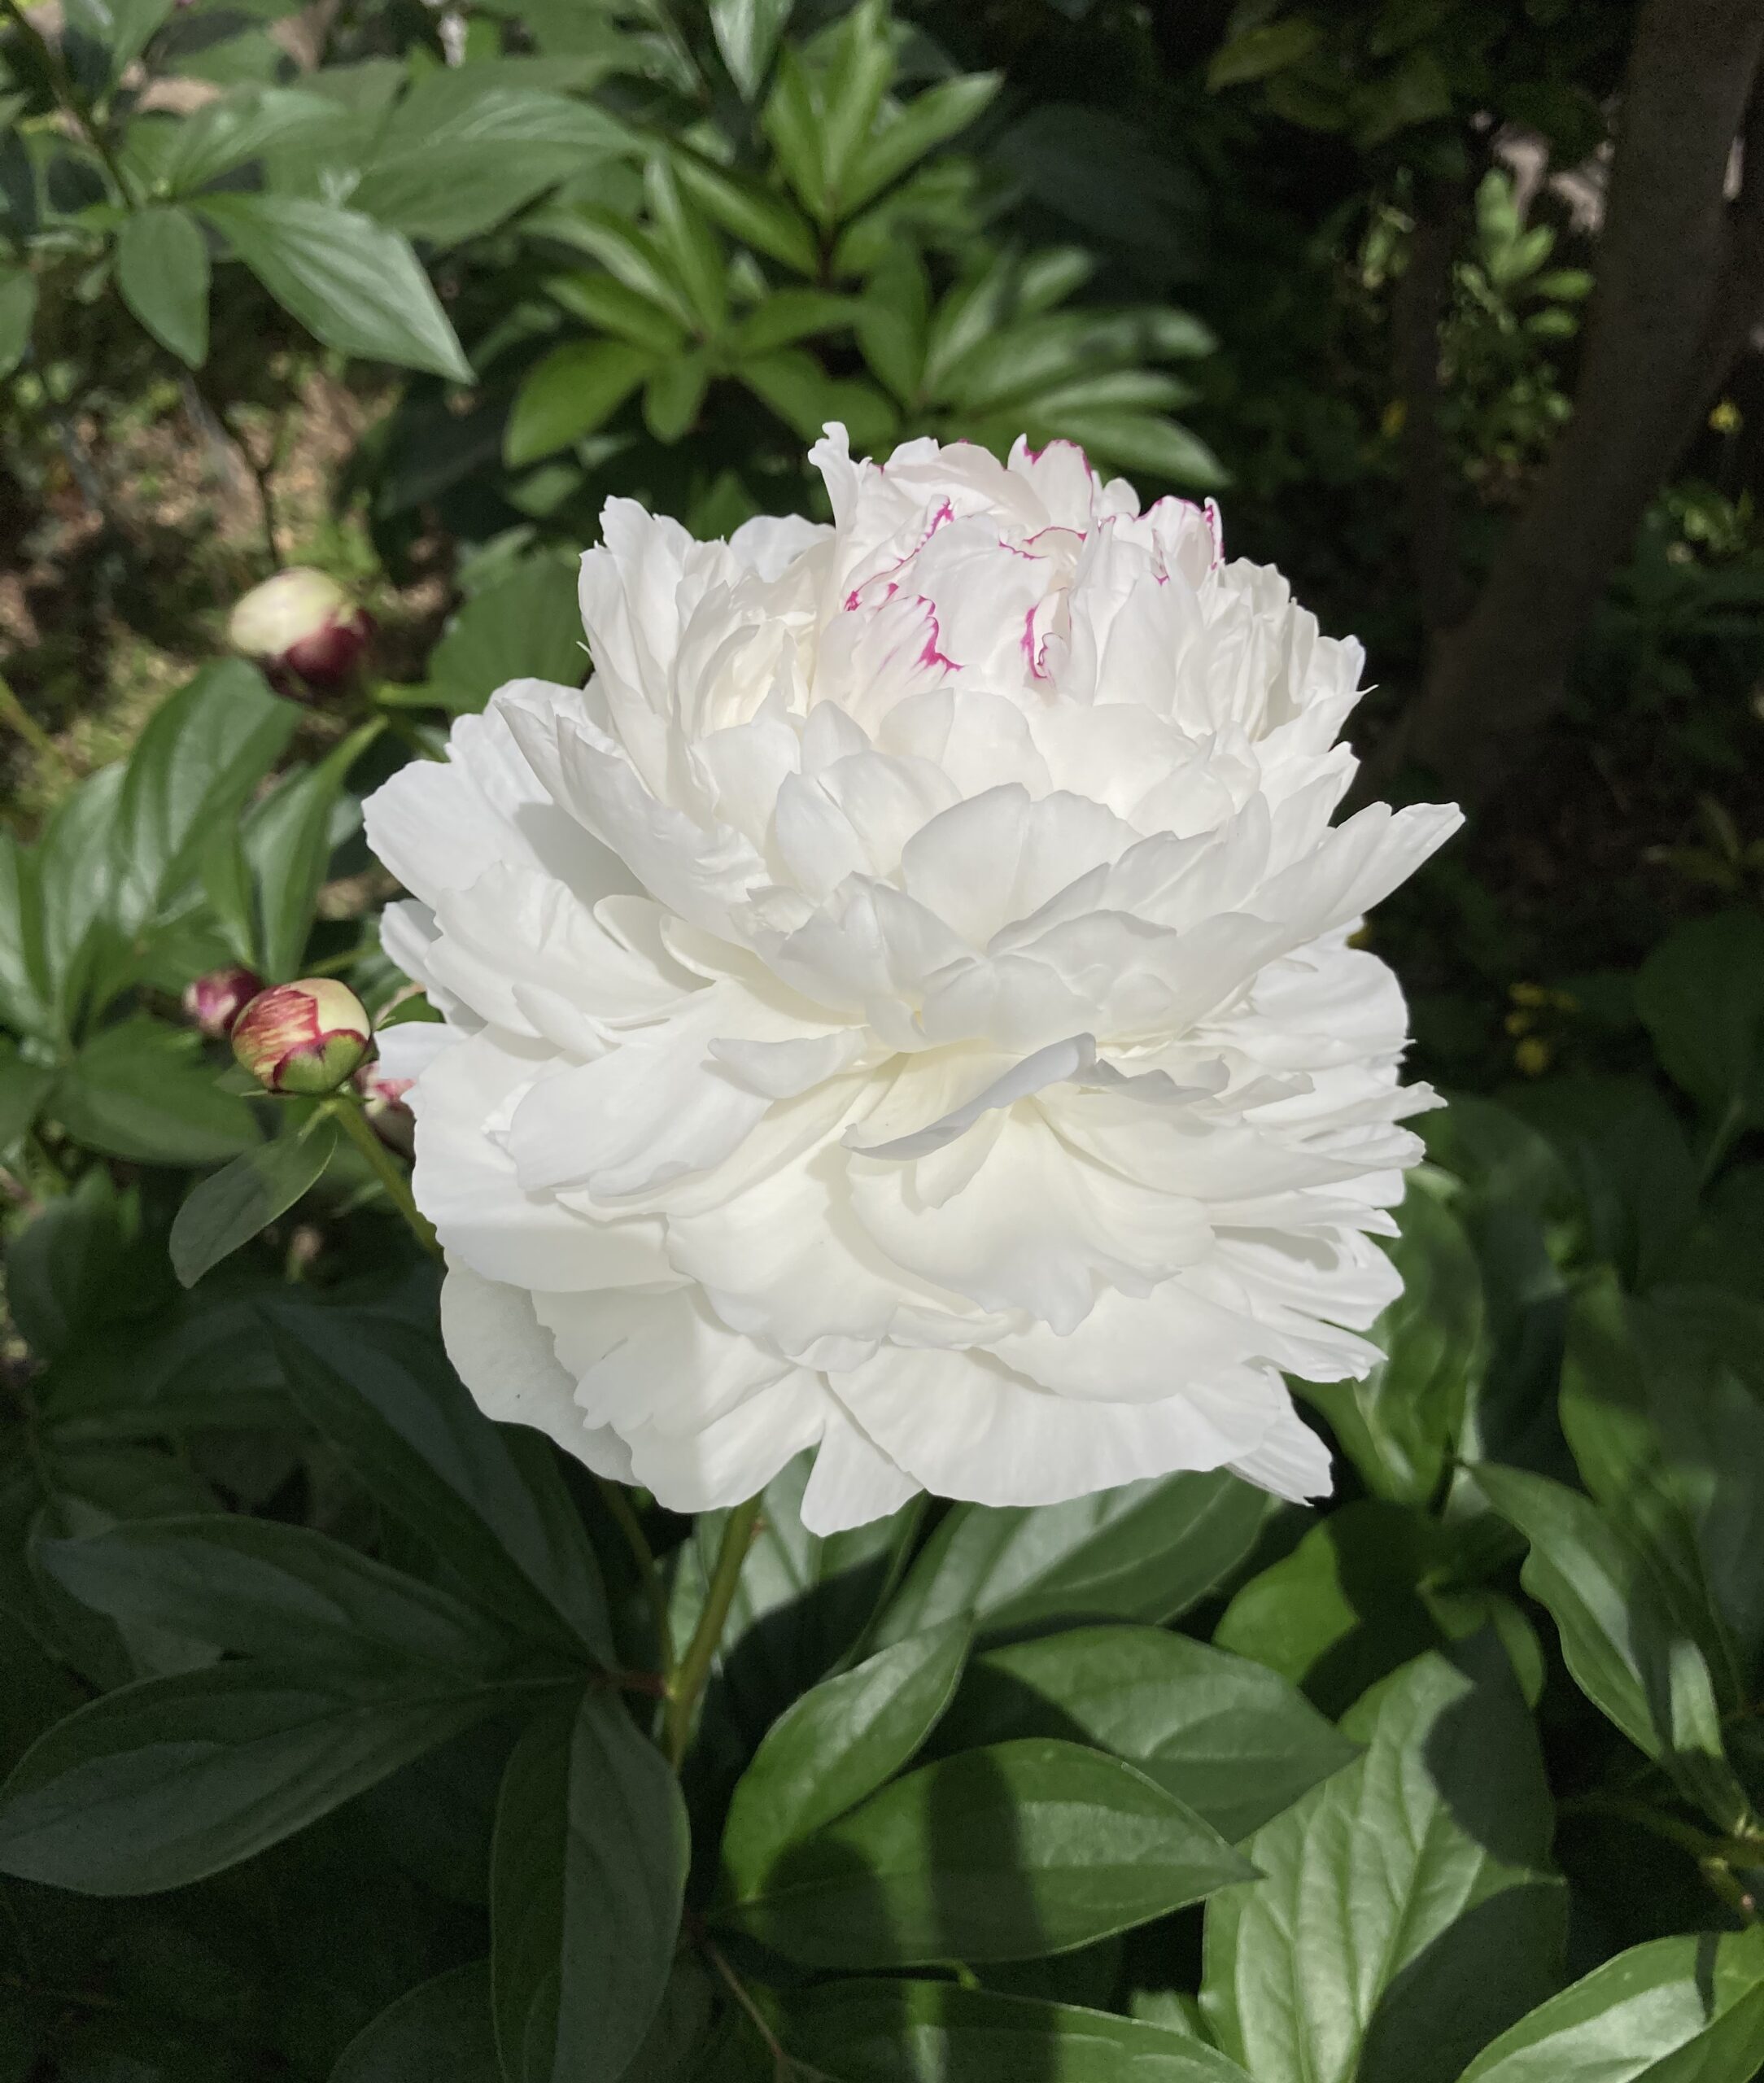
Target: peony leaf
x=440, y=2031
x=142, y=1090
x=1687, y=2010
x=171, y=1779
x=839, y=1742
x=1005, y=1853
x=910, y=2032
x=1619, y=1639
x=259, y=1588
x=226, y=1209
x=162, y=270
x=574, y=390
x=484, y=1496
x=587, y=1874
x=1232, y=1741
x=1405, y=1915
x=1145, y=1552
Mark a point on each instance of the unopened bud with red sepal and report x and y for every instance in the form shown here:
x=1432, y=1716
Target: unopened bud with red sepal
x=385, y=1109
x=308, y=1038
x=213, y=1003
x=304, y=630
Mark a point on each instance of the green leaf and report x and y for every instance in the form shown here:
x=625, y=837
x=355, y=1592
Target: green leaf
x=23, y=1087
x=467, y=146
x=838, y=1743
x=909, y=2031
x=788, y=315
x=574, y=389
x=587, y=1876
x=438, y=2032
x=1005, y=1853
x=793, y=124
x=18, y=314
x=122, y=29
x=1405, y=1915
x=25, y=997
x=630, y=256
x=612, y=306
x=799, y=390
x=1619, y=1640
x=261, y=1588
x=931, y=119
x=1661, y=1401
x=162, y=270
x=75, y=1267
x=487, y=1497
x=74, y=884
x=351, y=283
x=673, y=395
x=287, y=843
x=1133, y=441
x=201, y=755
x=760, y=218
x=1234, y=1741
x=228, y=1208
x=239, y=127
x=689, y=246
x=1700, y=994
x=142, y=1090
x=1254, y=53
x=747, y=33
x=1145, y=1552
x=171, y=1779
x=1400, y=1427
x=1343, y=1609
x=527, y=626
x=851, y=97
x=891, y=320
x=1687, y=2010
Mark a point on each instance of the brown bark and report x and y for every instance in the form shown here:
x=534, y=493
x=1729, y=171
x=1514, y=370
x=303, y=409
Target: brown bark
x=1669, y=253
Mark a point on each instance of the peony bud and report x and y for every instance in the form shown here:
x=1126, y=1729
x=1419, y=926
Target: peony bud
x=214, y=1002
x=306, y=1037
x=304, y=630
x=384, y=1105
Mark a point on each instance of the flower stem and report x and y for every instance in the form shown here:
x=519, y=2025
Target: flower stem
x=625, y=1517
x=693, y=1669
x=385, y=1168
x=14, y=713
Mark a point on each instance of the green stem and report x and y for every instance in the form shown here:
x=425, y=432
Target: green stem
x=14, y=712
x=53, y=62
x=693, y=1670
x=386, y=1168
x=625, y=1517
x=912, y=1517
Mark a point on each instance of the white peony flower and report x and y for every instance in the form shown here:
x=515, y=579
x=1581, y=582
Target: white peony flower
x=904, y=1006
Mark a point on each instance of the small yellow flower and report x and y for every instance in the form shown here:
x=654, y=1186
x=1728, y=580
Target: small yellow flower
x=1528, y=995
x=1532, y=1056
x=1726, y=418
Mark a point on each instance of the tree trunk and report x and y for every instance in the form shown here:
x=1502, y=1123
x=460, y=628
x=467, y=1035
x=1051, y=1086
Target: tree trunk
x=1669, y=258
